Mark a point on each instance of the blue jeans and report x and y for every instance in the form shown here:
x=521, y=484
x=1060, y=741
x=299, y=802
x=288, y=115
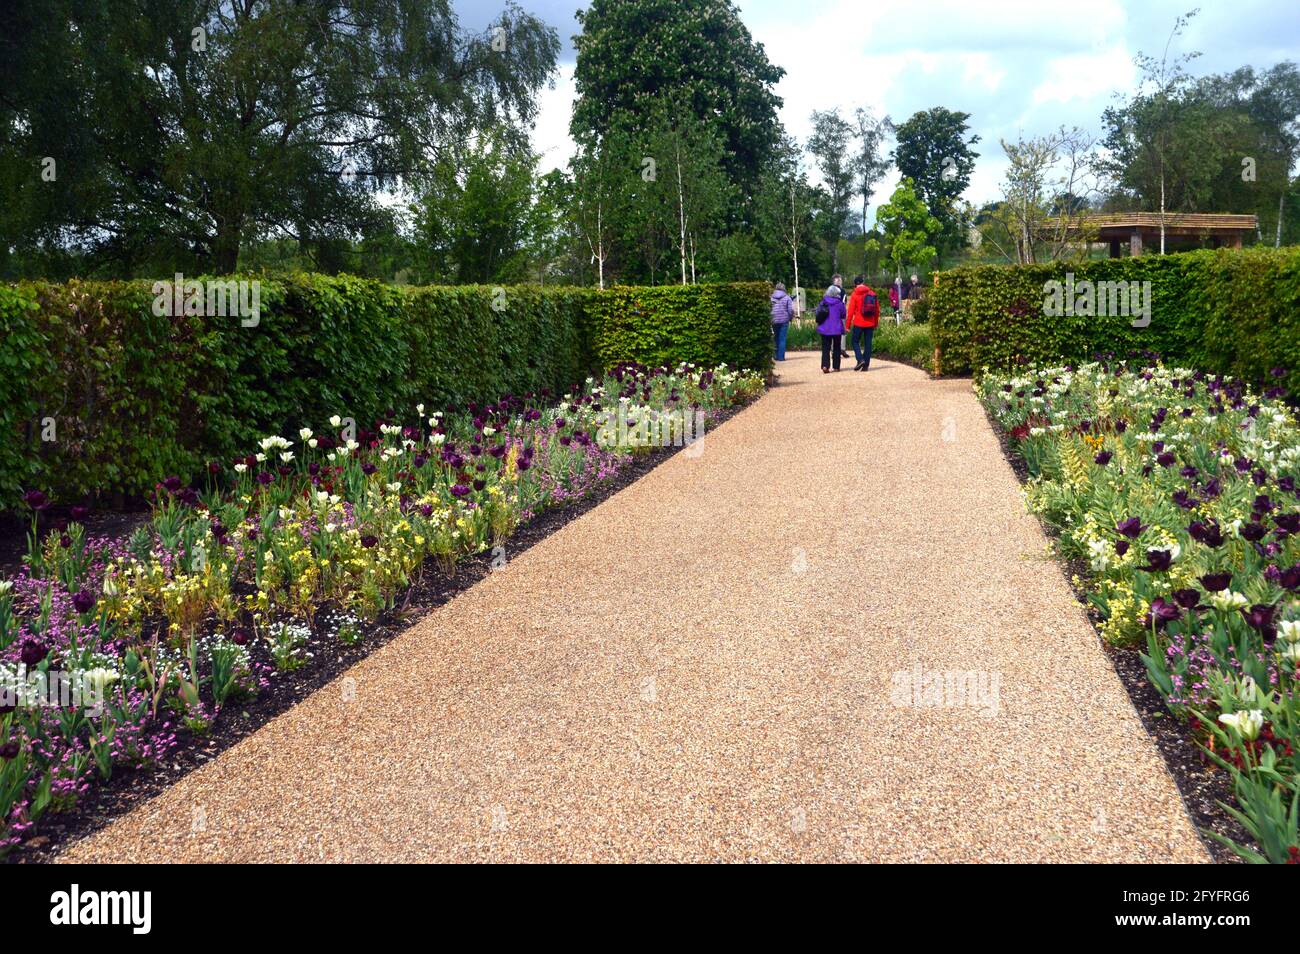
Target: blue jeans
x=862, y=345
x=781, y=331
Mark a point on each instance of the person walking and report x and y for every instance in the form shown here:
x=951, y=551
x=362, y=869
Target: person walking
x=837, y=283
x=830, y=325
x=862, y=315
x=782, y=312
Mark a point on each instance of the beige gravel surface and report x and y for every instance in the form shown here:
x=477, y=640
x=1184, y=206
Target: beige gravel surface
x=705, y=667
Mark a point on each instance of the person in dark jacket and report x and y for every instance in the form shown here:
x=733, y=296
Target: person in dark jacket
x=782, y=312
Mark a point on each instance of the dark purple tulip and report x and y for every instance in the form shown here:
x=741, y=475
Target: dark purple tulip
x=32, y=652
x=65, y=541
x=1261, y=618
x=239, y=637
x=1158, y=561
x=426, y=510
x=79, y=513
x=1206, y=532
x=565, y=440
x=173, y=484
x=1121, y=547
x=1187, y=599
x=1290, y=522
x=9, y=751
x=480, y=484
x=419, y=461
x=1162, y=613
x=1166, y=459
x=1262, y=504
x=1216, y=582
x=36, y=499
x=1212, y=488
x=459, y=490
x=369, y=541
x=1184, y=501
x=560, y=422
x=523, y=463
x=1131, y=528
x=265, y=477
x=1290, y=578
x=1121, y=426
x=188, y=496
x=83, y=602
x=1103, y=458
x=1254, y=532
x=368, y=468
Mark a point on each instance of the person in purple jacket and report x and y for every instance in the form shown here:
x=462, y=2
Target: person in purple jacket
x=782, y=312
x=830, y=325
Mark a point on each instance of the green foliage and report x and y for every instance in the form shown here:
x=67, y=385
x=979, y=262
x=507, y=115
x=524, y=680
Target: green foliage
x=135, y=396
x=705, y=324
x=181, y=130
x=630, y=51
x=907, y=229
x=1229, y=311
x=934, y=152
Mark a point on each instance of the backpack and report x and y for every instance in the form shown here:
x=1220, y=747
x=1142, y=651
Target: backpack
x=870, y=307
x=823, y=311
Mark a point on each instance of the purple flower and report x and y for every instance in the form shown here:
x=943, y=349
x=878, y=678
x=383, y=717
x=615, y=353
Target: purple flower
x=1261, y=618
x=83, y=602
x=1290, y=578
x=79, y=512
x=9, y=751
x=1216, y=582
x=1166, y=459
x=239, y=637
x=265, y=477
x=480, y=484
x=459, y=490
x=1159, y=561
x=173, y=484
x=1131, y=528
x=1254, y=532
x=1104, y=457
x=1162, y=613
x=1187, y=599
x=1206, y=532
x=369, y=541
x=368, y=468
x=32, y=652
x=1121, y=547
x=36, y=499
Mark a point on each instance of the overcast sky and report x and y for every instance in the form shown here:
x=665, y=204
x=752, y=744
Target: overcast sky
x=1017, y=66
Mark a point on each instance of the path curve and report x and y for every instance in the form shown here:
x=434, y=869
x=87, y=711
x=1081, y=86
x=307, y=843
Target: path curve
x=704, y=668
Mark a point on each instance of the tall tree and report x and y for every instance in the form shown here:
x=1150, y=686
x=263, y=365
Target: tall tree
x=829, y=146
x=869, y=164
x=784, y=209
x=697, y=51
x=179, y=129
x=934, y=151
x=908, y=230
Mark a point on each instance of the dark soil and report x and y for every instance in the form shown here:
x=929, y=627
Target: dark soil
x=129, y=787
x=1201, y=783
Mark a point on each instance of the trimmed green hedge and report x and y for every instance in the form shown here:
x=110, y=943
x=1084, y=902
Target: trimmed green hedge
x=1224, y=310
x=133, y=397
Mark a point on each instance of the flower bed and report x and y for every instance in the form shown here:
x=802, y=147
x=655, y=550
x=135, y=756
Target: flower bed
x=138, y=645
x=1178, y=489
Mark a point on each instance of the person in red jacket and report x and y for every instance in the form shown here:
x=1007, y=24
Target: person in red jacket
x=863, y=315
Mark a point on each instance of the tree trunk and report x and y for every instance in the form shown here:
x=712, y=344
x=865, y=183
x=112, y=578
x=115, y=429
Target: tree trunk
x=1281, y=204
x=1162, y=212
x=681, y=212
x=225, y=246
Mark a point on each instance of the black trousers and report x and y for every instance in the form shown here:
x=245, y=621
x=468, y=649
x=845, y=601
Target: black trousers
x=831, y=351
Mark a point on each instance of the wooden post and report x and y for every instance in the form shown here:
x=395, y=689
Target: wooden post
x=1114, y=248
x=1135, y=243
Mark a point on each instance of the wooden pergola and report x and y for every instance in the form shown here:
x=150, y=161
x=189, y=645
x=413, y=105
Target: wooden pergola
x=1182, y=229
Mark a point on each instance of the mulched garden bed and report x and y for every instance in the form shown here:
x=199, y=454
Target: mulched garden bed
x=1202, y=785
x=129, y=787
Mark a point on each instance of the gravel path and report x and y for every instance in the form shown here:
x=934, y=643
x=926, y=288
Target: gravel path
x=705, y=668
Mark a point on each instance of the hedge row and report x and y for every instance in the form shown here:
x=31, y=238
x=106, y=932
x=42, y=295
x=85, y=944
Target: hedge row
x=102, y=397
x=1224, y=310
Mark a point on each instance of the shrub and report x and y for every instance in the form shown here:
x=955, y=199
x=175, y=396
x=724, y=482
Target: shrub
x=135, y=397
x=1227, y=311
